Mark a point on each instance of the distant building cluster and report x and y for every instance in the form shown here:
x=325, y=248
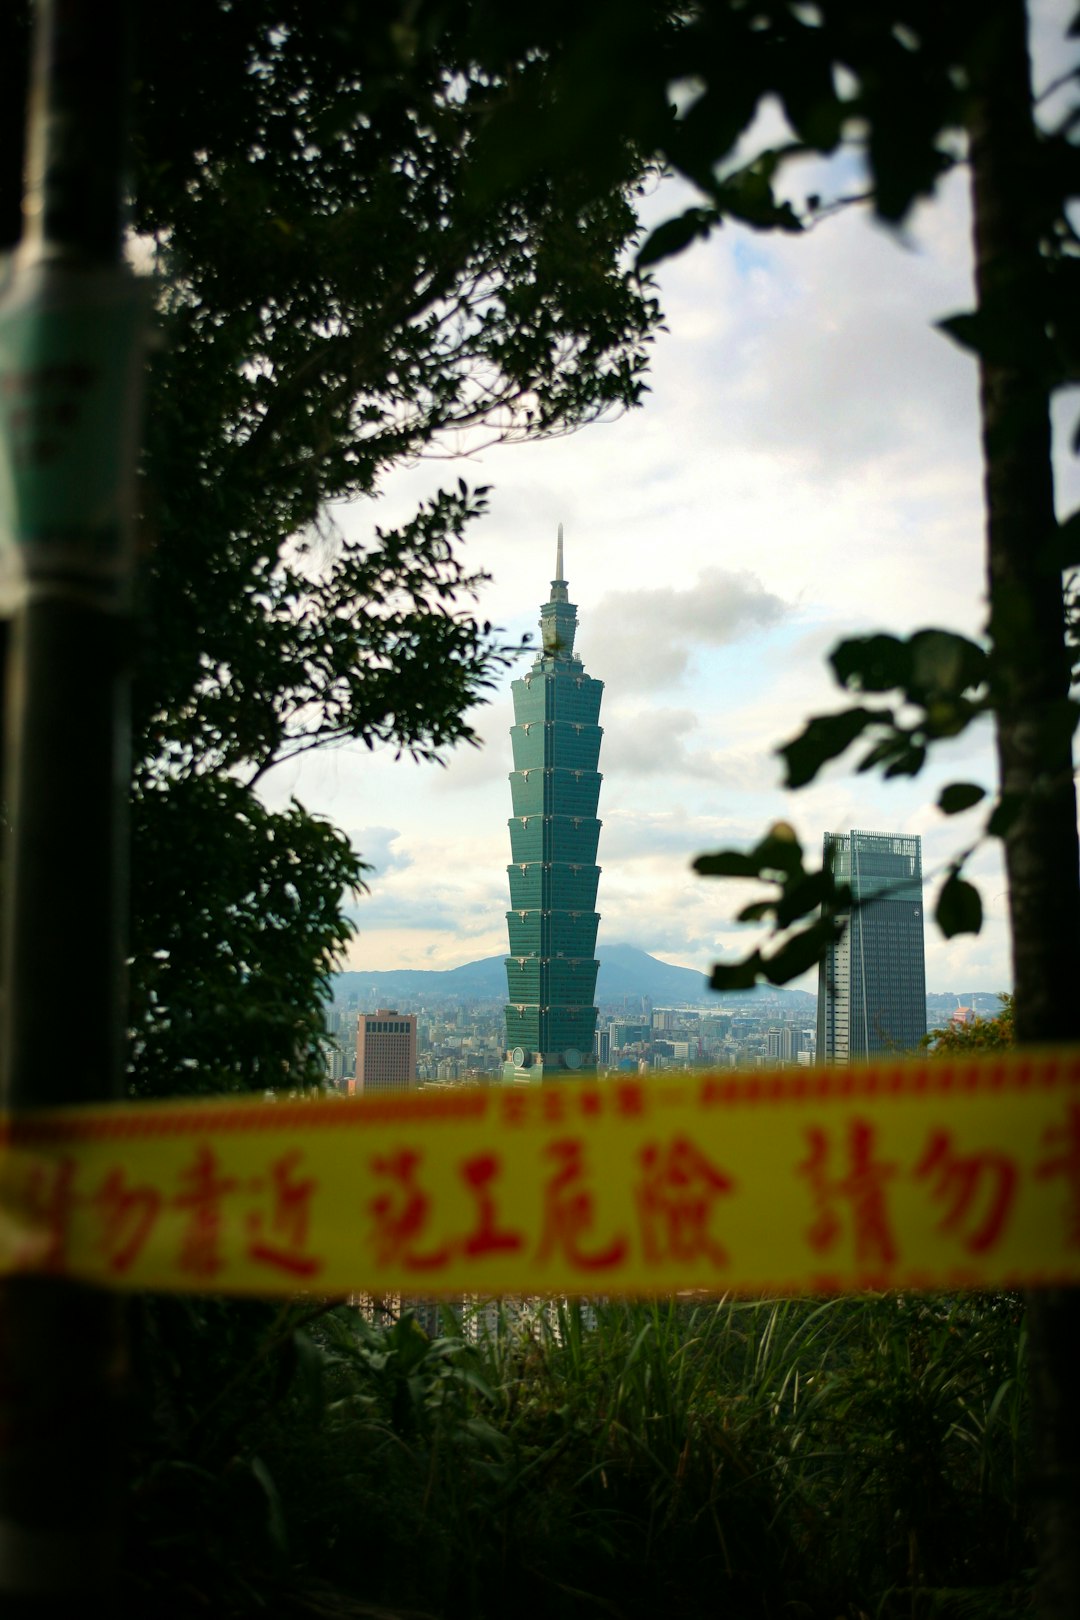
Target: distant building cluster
x=755, y=1031
x=463, y=1045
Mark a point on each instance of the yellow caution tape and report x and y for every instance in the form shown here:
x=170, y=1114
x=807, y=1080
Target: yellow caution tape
x=908, y=1175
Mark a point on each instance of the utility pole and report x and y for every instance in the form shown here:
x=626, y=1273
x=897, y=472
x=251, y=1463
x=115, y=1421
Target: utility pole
x=70, y=362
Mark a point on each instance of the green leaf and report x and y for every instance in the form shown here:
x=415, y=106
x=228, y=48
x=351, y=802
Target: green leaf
x=1003, y=815
x=799, y=898
x=736, y=975
x=275, y=1513
x=994, y=337
x=964, y=330
x=748, y=197
x=807, y=89
x=708, y=131
x=1069, y=541
x=959, y=908
x=757, y=911
x=908, y=760
x=944, y=664
x=676, y=234
x=877, y=663
x=802, y=951
x=779, y=854
x=823, y=738
x=959, y=796
x=308, y=1372
x=777, y=858
x=931, y=665
x=726, y=863
x=905, y=158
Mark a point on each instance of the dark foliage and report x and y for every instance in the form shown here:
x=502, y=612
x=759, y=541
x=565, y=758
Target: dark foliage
x=764, y=1459
x=334, y=300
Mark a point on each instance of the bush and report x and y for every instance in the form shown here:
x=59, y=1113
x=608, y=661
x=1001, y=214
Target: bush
x=757, y=1458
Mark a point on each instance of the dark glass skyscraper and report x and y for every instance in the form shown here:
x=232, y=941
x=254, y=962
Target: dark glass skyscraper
x=872, y=983
x=555, y=787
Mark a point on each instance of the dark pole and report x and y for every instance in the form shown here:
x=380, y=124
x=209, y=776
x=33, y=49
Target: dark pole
x=69, y=368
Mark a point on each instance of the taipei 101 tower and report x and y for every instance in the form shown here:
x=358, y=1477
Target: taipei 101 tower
x=555, y=786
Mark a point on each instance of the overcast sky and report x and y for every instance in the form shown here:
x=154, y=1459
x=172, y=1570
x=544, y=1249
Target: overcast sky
x=805, y=467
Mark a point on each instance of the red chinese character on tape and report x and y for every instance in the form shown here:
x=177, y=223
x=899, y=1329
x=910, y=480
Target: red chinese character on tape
x=554, y=1103
x=127, y=1215
x=977, y=1189
x=284, y=1244
x=515, y=1107
x=629, y=1098
x=861, y=1187
x=204, y=1192
x=675, y=1197
x=401, y=1214
x=568, y=1211
x=485, y=1238
x=50, y=1199
x=1067, y=1164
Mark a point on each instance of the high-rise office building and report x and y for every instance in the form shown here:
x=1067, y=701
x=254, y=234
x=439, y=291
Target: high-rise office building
x=555, y=788
x=872, y=982
x=779, y=1044
x=385, y=1051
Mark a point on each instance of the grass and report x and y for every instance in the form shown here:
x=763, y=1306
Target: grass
x=775, y=1459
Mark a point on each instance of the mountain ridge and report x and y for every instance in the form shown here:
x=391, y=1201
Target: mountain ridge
x=626, y=971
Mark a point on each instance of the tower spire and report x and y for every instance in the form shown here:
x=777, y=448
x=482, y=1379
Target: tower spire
x=559, y=592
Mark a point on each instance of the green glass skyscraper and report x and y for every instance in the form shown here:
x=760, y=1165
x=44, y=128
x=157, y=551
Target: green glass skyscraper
x=872, y=981
x=555, y=788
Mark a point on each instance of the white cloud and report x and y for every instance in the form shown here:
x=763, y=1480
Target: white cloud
x=375, y=845
x=644, y=639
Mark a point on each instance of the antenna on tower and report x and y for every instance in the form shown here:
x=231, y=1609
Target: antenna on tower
x=558, y=556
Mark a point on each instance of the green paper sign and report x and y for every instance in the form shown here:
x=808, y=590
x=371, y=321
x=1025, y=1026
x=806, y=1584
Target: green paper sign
x=70, y=374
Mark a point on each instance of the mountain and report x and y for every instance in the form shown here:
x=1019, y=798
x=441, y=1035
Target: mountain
x=625, y=973
x=949, y=1000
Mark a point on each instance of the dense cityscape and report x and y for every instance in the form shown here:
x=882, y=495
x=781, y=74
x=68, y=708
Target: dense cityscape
x=466, y=1044
x=463, y=1043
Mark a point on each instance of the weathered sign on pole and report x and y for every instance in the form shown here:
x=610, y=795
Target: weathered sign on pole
x=70, y=362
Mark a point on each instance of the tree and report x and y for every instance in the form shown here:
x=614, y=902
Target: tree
x=976, y=1035
x=332, y=302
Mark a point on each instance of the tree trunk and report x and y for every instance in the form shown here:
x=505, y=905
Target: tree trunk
x=1031, y=684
